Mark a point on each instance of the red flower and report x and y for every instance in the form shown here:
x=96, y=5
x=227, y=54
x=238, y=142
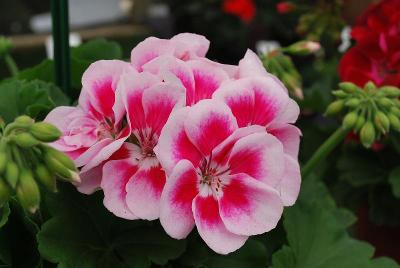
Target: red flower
x=376, y=56
x=285, y=7
x=244, y=9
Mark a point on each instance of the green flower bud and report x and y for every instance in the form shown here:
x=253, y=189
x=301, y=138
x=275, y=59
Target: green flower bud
x=382, y=122
x=58, y=168
x=394, y=121
x=350, y=120
x=353, y=103
x=389, y=91
x=385, y=102
x=44, y=176
x=28, y=192
x=3, y=162
x=5, y=192
x=61, y=157
x=348, y=87
x=360, y=122
x=335, y=107
x=45, y=132
x=303, y=48
x=339, y=93
x=12, y=173
x=370, y=86
x=24, y=120
x=395, y=111
x=367, y=134
x=5, y=46
x=25, y=140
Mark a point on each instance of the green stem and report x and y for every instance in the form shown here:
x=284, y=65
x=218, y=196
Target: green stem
x=323, y=151
x=12, y=66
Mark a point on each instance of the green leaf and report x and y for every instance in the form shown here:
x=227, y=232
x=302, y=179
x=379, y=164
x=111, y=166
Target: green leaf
x=97, y=49
x=317, y=236
x=394, y=180
x=34, y=98
x=83, y=233
x=4, y=213
x=43, y=71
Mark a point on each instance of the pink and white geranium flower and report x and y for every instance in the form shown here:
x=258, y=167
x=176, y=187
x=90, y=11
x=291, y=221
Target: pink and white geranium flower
x=91, y=131
x=223, y=178
x=132, y=186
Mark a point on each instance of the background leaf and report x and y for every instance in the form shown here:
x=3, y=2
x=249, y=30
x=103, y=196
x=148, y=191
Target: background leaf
x=394, y=180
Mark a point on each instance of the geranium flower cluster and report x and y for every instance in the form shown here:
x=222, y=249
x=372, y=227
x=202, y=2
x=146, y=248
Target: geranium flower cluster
x=176, y=136
x=376, y=55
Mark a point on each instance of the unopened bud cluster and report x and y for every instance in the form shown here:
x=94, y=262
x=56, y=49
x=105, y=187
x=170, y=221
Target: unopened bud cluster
x=281, y=65
x=370, y=111
x=26, y=161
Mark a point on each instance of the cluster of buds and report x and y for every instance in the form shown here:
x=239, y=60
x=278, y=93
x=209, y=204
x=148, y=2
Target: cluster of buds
x=280, y=64
x=26, y=160
x=370, y=111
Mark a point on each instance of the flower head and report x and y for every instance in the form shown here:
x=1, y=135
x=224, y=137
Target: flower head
x=244, y=9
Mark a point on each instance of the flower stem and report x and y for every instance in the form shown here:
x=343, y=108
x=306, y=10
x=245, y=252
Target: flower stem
x=12, y=66
x=323, y=151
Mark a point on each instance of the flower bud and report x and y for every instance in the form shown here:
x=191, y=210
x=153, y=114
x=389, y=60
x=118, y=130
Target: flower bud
x=395, y=111
x=46, y=178
x=360, y=123
x=385, y=102
x=24, y=120
x=45, y=132
x=60, y=157
x=353, y=103
x=303, y=48
x=348, y=87
x=25, y=140
x=350, y=120
x=5, y=192
x=370, y=86
x=389, y=91
x=58, y=168
x=3, y=162
x=5, y=46
x=28, y=192
x=339, y=93
x=367, y=134
x=394, y=121
x=12, y=173
x=335, y=107
x=382, y=122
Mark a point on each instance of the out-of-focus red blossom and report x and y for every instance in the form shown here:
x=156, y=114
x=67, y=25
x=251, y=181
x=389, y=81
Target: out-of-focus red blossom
x=353, y=137
x=376, y=55
x=244, y=9
x=285, y=7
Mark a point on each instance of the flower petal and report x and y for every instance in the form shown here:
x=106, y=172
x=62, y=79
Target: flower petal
x=208, y=123
x=173, y=143
x=144, y=190
x=251, y=65
x=207, y=78
x=149, y=49
x=190, y=45
x=176, y=214
x=289, y=136
x=90, y=153
x=239, y=96
x=116, y=175
x=259, y=155
x=99, y=83
x=212, y=229
x=288, y=114
x=249, y=207
x=159, y=101
x=90, y=180
x=291, y=181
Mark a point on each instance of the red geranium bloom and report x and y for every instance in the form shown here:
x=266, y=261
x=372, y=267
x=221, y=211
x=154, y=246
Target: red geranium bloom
x=244, y=9
x=376, y=56
x=285, y=7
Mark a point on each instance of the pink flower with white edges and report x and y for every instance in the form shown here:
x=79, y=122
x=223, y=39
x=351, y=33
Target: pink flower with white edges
x=132, y=186
x=91, y=131
x=225, y=179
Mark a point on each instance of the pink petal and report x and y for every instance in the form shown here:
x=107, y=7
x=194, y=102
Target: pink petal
x=288, y=114
x=207, y=78
x=99, y=82
x=176, y=214
x=149, y=49
x=259, y=155
x=239, y=96
x=166, y=65
x=190, y=45
x=116, y=175
x=59, y=117
x=90, y=180
x=208, y=123
x=91, y=153
x=251, y=65
x=159, y=101
x=144, y=190
x=130, y=92
x=291, y=181
x=249, y=207
x=289, y=136
x=173, y=143
x=212, y=229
